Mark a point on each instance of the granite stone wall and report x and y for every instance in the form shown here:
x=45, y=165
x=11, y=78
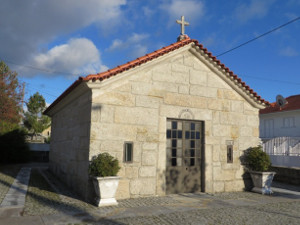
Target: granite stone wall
x=69, y=146
x=134, y=106
x=287, y=175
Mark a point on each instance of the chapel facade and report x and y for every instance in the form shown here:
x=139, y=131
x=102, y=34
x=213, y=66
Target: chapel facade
x=177, y=119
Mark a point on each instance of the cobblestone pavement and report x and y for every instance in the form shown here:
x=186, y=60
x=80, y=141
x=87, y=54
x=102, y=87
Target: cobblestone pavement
x=49, y=202
x=276, y=213
x=46, y=196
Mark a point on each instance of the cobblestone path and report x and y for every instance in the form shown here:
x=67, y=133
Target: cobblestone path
x=221, y=208
x=7, y=176
x=50, y=202
x=277, y=213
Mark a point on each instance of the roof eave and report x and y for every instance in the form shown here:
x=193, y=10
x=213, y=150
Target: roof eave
x=244, y=89
x=63, y=95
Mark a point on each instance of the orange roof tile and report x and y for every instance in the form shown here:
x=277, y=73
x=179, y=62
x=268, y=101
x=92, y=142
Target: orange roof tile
x=148, y=57
x=293, y=103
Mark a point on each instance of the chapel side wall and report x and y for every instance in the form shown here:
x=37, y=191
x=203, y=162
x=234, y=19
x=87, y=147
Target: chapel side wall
x=137, y=107
x=70, y=143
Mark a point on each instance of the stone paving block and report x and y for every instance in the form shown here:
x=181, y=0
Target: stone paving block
x=10, y=212
x=69, y=218
x=17, y=192
x=32, y=220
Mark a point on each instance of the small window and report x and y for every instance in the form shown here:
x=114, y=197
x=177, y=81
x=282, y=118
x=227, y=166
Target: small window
x=229, y=154
x=288, y=122
x=128, y=151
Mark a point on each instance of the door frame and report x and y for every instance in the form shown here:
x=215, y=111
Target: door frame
x=203, y=167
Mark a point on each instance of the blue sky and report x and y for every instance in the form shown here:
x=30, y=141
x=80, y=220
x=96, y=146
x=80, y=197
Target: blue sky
x=50, y=43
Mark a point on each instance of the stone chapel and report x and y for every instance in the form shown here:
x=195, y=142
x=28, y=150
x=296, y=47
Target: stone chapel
x=177, y=119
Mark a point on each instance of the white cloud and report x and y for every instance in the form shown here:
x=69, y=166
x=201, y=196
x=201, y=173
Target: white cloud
x=117, y=44
x=130, y=42
x=191, y=9
x=27, y=26
x=256, y=9
x=79, y=56
x=134, y=44
x=137, y=37
x=209, y=41
x=138, y=50
x=147, y=11
x=289, y=52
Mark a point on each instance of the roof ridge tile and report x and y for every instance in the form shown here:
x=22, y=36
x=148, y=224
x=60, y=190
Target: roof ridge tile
x=153, y=55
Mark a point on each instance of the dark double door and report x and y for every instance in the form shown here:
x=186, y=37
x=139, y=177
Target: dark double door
x=185, y=148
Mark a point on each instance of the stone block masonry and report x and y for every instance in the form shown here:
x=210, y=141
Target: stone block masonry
x=164, y=91
x=287, y=175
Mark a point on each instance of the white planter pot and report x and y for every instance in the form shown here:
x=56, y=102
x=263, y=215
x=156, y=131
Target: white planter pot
x=106, y=188
x=262, y=181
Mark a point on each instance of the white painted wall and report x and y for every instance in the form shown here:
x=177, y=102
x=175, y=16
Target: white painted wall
x=39, y=147
x=280, y=124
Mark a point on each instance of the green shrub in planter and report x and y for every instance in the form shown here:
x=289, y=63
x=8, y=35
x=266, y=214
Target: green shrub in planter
x=104, y=165
x=257, y=160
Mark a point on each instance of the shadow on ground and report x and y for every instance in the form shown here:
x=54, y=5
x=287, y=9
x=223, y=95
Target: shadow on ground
x=41, y=199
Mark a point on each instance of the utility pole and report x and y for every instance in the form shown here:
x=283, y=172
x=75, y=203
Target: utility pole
x=23, y=95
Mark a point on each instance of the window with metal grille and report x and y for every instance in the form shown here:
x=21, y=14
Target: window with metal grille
x=184, y=142
x=128, y=152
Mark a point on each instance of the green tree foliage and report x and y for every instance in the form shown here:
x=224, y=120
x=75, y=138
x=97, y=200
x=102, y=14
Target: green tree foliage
x=35, y=121
x=10, y=99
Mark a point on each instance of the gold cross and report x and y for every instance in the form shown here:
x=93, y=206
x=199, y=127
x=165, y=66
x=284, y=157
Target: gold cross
x=183, y=23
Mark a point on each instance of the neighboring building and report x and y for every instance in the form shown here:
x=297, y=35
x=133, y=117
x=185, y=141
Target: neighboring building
x=280, y=131
x=40, y=137
x=47, y=132
x=276, y=121
x=177, y=119
x=39, y=145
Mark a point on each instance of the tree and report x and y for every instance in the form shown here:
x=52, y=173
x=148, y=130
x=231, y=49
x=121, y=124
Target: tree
x=35, y=121
x=10, y=99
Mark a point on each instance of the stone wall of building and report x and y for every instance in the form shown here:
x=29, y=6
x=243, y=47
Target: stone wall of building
x=134, y=106
x=69, y=146
x=287, y=175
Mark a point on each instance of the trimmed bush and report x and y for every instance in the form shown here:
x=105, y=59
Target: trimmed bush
x=104, y=165
x=13, y=148
x=257, y=160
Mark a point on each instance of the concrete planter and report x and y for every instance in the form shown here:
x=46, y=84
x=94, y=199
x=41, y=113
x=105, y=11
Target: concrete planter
x=106, y=188
x=262, y=181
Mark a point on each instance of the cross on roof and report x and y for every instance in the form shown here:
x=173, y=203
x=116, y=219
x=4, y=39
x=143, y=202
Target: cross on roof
x=183, y=23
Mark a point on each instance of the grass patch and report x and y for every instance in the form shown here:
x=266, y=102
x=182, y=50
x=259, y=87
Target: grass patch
x=41, y=199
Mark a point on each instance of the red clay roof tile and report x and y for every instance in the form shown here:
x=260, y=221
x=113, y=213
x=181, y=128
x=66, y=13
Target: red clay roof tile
x=148, y=57
x=293, y=103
